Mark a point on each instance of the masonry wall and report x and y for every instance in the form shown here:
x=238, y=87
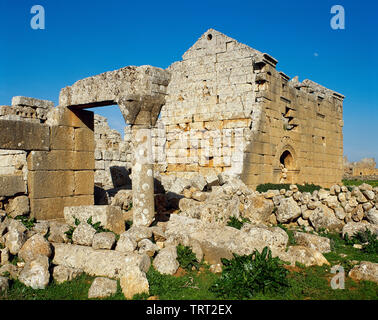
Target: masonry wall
x=210, y=107
x=51, y=160
x=256, y=122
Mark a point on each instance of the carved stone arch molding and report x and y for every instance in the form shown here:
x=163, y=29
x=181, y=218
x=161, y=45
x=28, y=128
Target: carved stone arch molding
x=286, y=144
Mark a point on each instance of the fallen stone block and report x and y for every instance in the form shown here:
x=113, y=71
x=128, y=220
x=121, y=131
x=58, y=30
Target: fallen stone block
x=32, y=102
x=102, y=288
x=101, y=263
x=110, y=217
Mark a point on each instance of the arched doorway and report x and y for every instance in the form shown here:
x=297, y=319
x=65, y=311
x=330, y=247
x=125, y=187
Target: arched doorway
x=286, y=159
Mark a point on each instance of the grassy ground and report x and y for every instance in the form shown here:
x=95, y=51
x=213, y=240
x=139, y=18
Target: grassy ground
x=373, y=183
x=304, y=283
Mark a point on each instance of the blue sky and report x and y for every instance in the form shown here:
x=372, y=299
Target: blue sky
x=83, y=38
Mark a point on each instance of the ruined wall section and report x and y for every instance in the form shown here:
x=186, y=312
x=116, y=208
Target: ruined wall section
x=112, y=155
x=210, y=107
x=300, y=139
x=48, y=158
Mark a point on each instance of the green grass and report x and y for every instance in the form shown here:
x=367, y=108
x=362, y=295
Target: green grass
x=272, y=186
x=373, y=183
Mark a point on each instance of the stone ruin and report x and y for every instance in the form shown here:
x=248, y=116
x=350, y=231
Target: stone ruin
x=201, y=135
x=364, y=169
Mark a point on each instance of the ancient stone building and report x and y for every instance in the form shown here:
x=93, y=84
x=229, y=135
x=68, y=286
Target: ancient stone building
x=229, y=110
x=223, y=109
x=365, y=168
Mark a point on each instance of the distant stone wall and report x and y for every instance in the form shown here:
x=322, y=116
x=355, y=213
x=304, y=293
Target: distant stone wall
x=364, y=168
x=112, y=155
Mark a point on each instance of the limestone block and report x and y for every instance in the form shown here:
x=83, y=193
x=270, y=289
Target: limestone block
x=22, y=135
x=83, y=160
x=103, y=263
x=32, y=102
x=84, y=182
x=84, y=139
x=11, y=185
x=110, y=217
x=52, y=208
x=61, y=116
x=50, y=184
x=50, y=160
x=62, y=138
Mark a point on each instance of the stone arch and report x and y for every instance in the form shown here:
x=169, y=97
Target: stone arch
x=285, y=166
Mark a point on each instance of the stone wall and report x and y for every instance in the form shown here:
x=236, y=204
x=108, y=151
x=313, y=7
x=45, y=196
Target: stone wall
x=229, y=110
x=47, y=154
x=112, y=155
x=364, y=169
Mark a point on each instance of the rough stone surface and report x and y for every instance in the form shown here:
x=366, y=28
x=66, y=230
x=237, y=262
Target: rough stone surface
x=102, y=288
x=365, y=271
x=126, y=243
x=103, y=240
x=287, y=210
x=304, y=255
x=58, y=232
x=352, y=228
x=165, y=262
x=4, y=285
x=148, y=247
x=324, y=218
x=313, y=241
x=62, y=274
x=18, y=206
x=36, y=273
x=133, y=281
x=372, y=216
x=14, y=240
x=139, y=233
x=110, y=217
x=102, y=263
x=35, y=246
x=83, y=234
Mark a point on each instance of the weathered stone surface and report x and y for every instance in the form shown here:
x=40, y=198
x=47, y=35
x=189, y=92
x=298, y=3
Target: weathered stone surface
x=50, y=184
x=4, y=285
x=41, y=227
x=14, y=240
x=352, y=228
x=372, y=216
x=18, y=206
x=165, y=262
x=126, y=243
x=213, y=254
x=139, y=233
x=313, y=241
x=272, y=237
x=32, y=102
x=102, y=288
x=199, y=182
x=103, y=240
x=62, y=274
x=365, y=271
x=324, y=218
x=257, y=208
x=4, y=256
x=287, y=210
x=110, y=217
x=23, y=135
x=36, y=273
x=58, y=232
x=11, y=185
x=148, y=247
x=33, y=247
x=123, y=199
x=10, y=269
x=83, y=234
x=102, y=263
x=133, y=281
x=303, y=255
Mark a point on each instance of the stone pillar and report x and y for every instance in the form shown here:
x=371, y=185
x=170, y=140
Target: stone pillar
x=142, y=176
